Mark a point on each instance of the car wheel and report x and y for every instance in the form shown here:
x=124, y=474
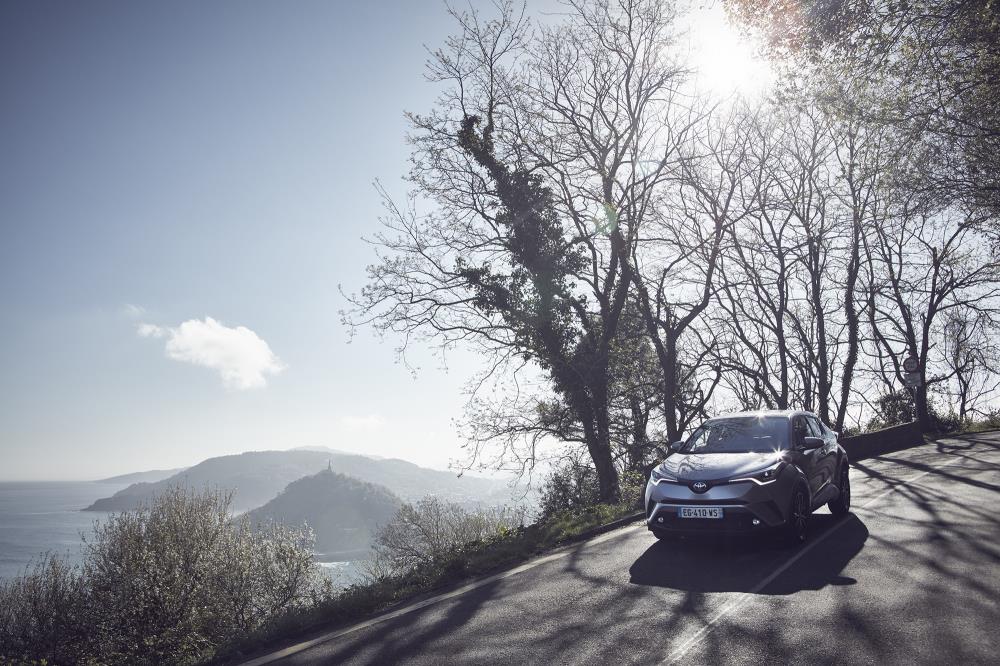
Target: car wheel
x=842, y=504
x=798, y=517
x=660, y=536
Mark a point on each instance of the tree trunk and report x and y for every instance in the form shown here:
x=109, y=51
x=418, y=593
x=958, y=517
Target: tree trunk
x=923, y=413
x=598, y=442
x=851, y=316
x=607, y=474
x=670, y=387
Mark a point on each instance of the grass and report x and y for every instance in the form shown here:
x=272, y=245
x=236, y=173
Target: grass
x=978, y=426
x=361, y=601
x=968, y=428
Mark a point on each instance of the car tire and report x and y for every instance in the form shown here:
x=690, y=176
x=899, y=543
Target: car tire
x=841, y=505
x=660, y=536
x=798, y=518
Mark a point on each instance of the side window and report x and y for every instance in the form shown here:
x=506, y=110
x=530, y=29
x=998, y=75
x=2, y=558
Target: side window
x=815, y=427
x=800, y=428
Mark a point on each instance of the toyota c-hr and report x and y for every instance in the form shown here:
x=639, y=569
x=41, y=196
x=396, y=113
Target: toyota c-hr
x=749, y=472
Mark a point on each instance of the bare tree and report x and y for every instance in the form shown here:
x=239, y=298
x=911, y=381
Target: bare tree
x=532, y=158
x=929, y=261
x=679, y=258
x=926, y=68
x=972, y=361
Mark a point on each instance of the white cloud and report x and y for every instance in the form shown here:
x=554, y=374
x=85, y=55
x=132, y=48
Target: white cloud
x=240, y=355
x=361, y=423
x=151, y=331
x=133, y=311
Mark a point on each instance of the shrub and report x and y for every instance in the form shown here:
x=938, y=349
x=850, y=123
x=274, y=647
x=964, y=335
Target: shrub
x=430, y=532
x=893, y=409
x=43, y=613
x=169, y=583
x=571, y=486
x=897, y=408
x=632, y=485
x=991, y=420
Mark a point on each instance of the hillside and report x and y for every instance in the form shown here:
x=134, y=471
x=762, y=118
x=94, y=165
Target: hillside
x=258, y=476
x=150, y=476
x=342, y=511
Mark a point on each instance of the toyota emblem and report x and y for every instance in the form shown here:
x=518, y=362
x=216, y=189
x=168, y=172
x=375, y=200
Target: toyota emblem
x=699, y=486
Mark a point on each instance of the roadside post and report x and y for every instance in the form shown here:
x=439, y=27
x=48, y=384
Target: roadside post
x=911, y=378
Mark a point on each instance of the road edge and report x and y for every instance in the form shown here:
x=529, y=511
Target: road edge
x=423, y=600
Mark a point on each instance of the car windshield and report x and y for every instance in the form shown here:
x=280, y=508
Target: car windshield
x=743, y=434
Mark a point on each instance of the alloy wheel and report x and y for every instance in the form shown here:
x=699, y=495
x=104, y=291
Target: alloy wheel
x=800, y=516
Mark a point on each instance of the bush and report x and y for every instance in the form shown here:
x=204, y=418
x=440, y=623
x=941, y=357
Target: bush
x=897, y=408
x=571, y=486
x=43, y=613
x=430, y=532
x=894, y=408
x=166, y=584
x=632, y=488
x=991, y=420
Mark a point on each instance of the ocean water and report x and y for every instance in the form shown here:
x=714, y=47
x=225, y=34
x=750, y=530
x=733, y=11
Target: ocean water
x=45, y=516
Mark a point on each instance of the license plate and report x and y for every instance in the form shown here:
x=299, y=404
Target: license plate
x=699, y=512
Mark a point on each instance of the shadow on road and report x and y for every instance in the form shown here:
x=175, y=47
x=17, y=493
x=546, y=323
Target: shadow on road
x=739, y=564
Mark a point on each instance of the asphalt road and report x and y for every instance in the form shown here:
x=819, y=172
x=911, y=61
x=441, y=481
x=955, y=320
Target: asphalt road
x=911, y=575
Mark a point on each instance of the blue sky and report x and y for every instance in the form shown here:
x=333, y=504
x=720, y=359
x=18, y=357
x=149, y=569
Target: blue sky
x=208, y=163
x=201, y=160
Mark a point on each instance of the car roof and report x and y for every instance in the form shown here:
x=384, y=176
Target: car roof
x=787, y=413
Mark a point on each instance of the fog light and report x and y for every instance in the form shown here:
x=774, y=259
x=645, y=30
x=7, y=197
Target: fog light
x=660, y=519
x=756, y=522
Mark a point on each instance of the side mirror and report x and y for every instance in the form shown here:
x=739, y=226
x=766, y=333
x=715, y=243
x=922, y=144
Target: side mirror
x=810, y=443
x=676, y=446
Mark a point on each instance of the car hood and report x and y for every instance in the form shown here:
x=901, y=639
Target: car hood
x=708, y=466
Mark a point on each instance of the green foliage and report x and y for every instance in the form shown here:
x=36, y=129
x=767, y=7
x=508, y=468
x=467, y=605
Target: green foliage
x=633, y=488
x=893, y=409
x=570, y=486
x=991, y=420
x=897, y=408
x=166, y=584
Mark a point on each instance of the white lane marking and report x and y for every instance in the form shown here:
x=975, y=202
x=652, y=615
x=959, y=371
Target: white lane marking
x=742, y=600
x=299, y=647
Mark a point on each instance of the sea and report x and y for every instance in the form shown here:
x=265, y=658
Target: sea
x=46, y=516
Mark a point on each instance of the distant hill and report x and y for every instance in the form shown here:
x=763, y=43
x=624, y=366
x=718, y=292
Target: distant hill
x=258, y=476
x=327, y=449
x=342, y=511
x=152, y=476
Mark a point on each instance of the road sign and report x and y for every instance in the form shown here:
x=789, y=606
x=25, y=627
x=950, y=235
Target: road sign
x=911, y=379
x=911, y=364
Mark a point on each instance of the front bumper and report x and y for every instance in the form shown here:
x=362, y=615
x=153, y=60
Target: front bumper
x=742, y=504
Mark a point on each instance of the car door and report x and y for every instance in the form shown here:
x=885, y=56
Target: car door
x=825, y=457
x=806, y=459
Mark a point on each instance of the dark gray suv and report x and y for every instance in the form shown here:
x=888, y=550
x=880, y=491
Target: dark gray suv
x=749, y=472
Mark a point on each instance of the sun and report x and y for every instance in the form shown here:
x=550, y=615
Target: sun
x=725, y=62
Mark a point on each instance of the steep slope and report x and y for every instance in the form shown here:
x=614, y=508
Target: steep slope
x=342, y=511
x=150, y=476
x=258, y=476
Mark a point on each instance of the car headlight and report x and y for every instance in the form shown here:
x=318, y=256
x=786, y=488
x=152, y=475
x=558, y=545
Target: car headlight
x=659, y=476
x=764, y=476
